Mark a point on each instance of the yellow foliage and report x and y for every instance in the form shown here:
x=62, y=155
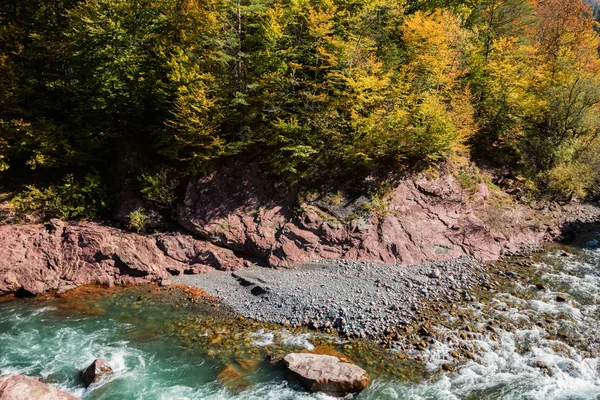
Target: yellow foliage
x=432, y=41
x=570, y=180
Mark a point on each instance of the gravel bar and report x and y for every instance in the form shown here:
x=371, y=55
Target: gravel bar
x=358, y=299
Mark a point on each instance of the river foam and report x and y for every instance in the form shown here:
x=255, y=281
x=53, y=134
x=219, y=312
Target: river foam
x=533, y=363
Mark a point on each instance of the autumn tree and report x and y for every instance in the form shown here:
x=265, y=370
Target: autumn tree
x=104, y=91
x=537, y=93
x=568, y=53
x=439, y=104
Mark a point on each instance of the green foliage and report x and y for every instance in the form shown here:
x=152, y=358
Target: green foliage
x=160, y=187
x=468, y=179
x=576, y=171
x=71, y=199
x=138, y=220
x=314, y=89
x=337, y=102
x=536, y=74
x=380, y=200
x=570, y=180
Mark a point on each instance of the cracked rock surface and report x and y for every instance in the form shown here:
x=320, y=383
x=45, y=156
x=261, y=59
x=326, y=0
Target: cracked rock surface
x=35, y=258
x=419, y=220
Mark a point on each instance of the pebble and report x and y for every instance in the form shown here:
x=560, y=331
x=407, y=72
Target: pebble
x=311, y=294
x=447, y=367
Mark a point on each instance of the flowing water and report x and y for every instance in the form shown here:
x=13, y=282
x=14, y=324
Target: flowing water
x=520, y=342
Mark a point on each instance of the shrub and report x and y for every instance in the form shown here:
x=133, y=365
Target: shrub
x=576, y=170
x=570, y=180
x=468, y=179
x=159, y=188
x=499, y=213
x=71, y=199
x=138, y=220
x=380, y=200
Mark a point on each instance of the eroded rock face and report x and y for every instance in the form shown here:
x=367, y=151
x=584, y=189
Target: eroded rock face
x=421, y=220
x=21, y=387
x=237, y=209
x=326, y=374
x=95, y=371
x=38, y=257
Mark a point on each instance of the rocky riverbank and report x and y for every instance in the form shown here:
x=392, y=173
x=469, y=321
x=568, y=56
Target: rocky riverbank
x=35, y=258
x=416, y=220
x=235, y=218
x=527, y=326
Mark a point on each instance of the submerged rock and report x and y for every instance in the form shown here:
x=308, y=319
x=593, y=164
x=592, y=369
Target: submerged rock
x=21, y=387
x=231, y=378
x=561, y=298
x=95, y=371
x=248, y=365
x=326, y=374
x=447, y=368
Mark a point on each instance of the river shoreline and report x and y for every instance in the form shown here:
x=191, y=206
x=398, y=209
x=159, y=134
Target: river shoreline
x=222, y=225
x=528, y=330
x=355, y=299
x=59, y=255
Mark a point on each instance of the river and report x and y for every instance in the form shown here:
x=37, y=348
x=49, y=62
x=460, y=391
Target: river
x=538, y=338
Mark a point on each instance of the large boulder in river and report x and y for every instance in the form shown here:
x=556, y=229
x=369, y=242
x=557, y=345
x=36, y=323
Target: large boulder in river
x=21, y=387
x=326, y=374
x=95, y=371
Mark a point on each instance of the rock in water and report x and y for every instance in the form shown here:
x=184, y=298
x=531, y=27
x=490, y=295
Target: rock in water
x=233, y=379
x=327, y=374
x=21, y=387
x=95, y=371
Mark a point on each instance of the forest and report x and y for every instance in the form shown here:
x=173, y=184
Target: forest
x=98, y=95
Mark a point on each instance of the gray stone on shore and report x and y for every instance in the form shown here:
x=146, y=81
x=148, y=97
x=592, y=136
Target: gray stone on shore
x=357, y=299
x=21, y=387
x=326, y=374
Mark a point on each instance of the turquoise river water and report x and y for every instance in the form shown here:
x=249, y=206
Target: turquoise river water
x=161, y=345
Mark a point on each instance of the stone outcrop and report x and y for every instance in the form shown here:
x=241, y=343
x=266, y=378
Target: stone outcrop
x=238, y=212
x=97, y=369
x=326, y=374
x=419, y=220
x=39, y=257
x=21, y=387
